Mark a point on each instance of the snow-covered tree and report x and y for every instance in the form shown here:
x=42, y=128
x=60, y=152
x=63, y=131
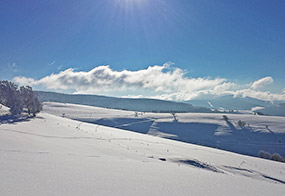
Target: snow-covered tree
x=10, y=97
x=16, y=99
x=36, y=106
x=27, y=96
x=30, y=100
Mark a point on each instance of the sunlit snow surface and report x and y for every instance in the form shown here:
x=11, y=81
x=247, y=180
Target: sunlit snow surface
x=51, y=155
x=209, y=129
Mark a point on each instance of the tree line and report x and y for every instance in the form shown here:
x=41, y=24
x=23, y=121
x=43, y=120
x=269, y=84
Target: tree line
x=18, y=99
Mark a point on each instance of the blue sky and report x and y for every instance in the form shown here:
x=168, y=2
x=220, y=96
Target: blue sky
x=239, y=41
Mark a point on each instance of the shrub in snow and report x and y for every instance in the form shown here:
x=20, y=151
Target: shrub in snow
x=277, y=157
x=174, y=116
x=267, y=155
x=263, y=154
x=241, y=123
x=225, y=117
x=274, y=156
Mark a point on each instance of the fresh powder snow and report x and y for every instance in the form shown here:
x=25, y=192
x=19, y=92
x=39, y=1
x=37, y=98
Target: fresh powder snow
x=54, y=155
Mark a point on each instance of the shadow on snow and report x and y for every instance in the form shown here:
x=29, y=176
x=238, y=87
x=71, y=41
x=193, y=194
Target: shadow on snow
x=245, y=140
x=10, y=119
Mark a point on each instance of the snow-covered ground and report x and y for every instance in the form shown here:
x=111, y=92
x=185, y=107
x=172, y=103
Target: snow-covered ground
x=3, y=110
x=209, y=129
x=51, y=155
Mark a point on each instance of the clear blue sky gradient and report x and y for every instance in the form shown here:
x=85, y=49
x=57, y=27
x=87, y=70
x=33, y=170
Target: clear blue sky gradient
x=242, y=40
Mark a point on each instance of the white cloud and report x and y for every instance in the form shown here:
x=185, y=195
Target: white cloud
x=24, y=81
x=256, y=108
x=51, y=63
x=13, y=67
x=262, y=95
x=133, y=96
x=59, y=67
x=159, y=81
x=262, y=82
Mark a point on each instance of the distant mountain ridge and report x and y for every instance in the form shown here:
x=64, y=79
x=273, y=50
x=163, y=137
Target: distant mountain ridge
x=140, y=105
x=274, y=110
x=230, y=102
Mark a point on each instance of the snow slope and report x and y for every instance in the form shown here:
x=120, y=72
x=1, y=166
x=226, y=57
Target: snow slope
x=209, y=129
x=51, y=155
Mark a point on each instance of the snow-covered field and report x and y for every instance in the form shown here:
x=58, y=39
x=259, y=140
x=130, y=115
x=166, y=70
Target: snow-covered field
x=209, y=129
x=52, y=155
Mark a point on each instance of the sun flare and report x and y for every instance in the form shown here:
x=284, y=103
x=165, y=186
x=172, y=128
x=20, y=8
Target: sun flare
x=130, y=3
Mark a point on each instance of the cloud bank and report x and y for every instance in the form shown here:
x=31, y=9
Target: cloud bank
x=158, y=81
x=262, y=82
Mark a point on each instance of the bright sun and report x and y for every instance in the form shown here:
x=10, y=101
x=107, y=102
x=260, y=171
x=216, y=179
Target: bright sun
x=130, y=2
